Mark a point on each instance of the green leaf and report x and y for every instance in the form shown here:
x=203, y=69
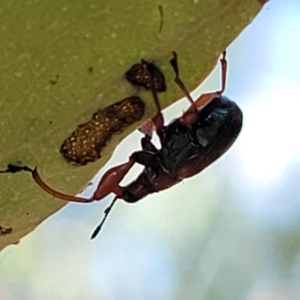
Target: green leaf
x=63, y=60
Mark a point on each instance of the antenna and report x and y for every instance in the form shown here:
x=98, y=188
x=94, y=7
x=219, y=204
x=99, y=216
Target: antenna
x=106, y=212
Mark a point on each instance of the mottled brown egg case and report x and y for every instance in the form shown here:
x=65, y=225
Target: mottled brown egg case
x=86, y=142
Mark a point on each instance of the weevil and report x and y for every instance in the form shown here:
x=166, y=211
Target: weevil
x=189, y=144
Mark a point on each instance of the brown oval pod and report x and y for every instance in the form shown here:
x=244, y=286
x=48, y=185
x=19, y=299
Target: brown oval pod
x=138, y=75
x=86, y=142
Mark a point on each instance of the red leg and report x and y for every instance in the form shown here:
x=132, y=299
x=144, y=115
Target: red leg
x=54, y=193
x=192, y=112
x=109, y=183
x=148, y=128
x=190, y=116
x=206, y=98
x=35, y=175
x=224, y=72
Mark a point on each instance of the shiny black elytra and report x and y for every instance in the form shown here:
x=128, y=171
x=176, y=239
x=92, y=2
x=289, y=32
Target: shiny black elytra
x=189, y=144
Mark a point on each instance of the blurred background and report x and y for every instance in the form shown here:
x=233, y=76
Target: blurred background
x=231, y=232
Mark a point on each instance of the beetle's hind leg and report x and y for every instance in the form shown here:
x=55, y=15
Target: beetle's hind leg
x=35, y=175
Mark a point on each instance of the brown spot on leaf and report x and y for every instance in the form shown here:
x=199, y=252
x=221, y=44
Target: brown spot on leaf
x=86, y=142
x=139, y=75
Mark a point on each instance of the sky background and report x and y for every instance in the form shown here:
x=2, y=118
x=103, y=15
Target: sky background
x=231, y=232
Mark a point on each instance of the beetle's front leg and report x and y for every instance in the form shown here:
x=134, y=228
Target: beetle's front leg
x=191, y=113
x=35, y=175
x=108, y=184
x=205, y=98
x=147, y=129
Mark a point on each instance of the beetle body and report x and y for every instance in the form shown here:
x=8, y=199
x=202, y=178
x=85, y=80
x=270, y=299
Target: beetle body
x=186, y=149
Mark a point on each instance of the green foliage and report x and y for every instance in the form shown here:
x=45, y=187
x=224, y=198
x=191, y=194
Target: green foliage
x=63, y=60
